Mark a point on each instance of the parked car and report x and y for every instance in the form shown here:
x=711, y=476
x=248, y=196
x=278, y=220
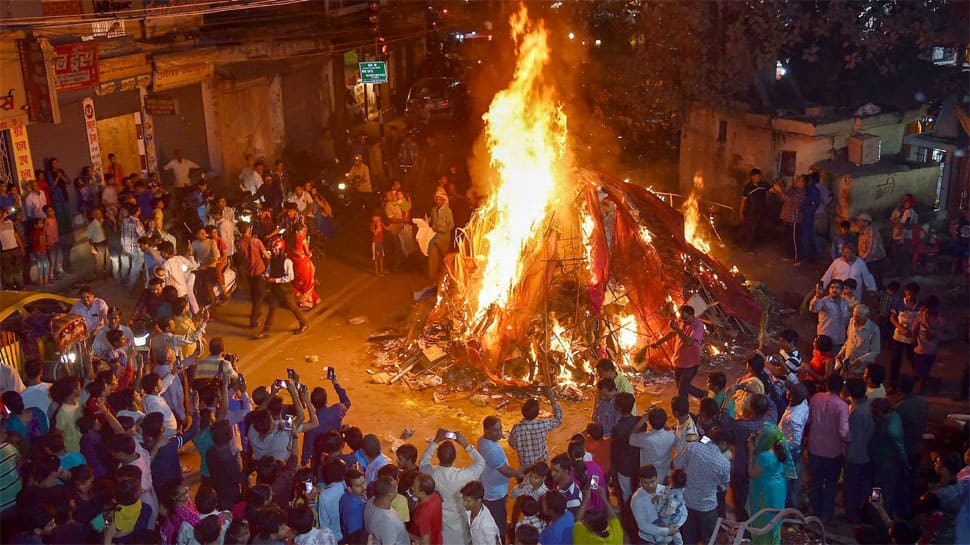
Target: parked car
x=437, y=98
x=37, y=325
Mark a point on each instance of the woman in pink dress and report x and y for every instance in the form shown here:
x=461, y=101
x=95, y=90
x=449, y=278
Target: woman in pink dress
x=304, y=271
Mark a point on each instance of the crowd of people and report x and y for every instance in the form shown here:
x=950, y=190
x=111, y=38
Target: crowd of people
x=99, y=457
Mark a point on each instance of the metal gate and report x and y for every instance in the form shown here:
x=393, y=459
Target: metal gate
x=8, y=168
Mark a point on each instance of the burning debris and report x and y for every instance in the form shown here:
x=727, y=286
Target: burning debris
x=562, y=265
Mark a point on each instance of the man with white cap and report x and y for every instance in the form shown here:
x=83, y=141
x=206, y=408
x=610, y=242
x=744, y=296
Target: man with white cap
x=871, y=249
x=443, y=222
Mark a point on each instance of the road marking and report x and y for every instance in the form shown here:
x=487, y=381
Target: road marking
x=337, y=301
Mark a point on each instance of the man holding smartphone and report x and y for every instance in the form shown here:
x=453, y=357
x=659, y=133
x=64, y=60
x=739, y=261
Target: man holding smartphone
x=448, y=481
x=329, y=417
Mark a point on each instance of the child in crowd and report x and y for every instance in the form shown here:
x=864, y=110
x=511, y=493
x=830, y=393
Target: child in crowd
x=717, y=390
x=671, y=509
x=848, y=293
x=301, y=520
x=38, y=251
x=598, y=446
x=534, y=483
x=821, y=365
x=529, y=507
x=377, y=229
x=99, y=243
x=51, y=231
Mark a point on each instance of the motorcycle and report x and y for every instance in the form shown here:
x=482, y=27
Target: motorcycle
x=344, y=196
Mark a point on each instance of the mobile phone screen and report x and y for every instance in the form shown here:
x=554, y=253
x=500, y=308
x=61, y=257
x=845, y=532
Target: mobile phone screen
x=451, y=435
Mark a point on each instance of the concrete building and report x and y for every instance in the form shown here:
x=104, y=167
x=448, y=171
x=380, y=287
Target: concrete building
x=154, y=77
x=723, y=147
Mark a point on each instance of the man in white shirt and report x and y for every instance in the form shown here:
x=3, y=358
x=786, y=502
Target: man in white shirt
x=645, y=512
x=382, y=521
x=153, y=402
x=178, y=272
x=656, y=444
x=93, y=309
x=37, y=392
x=448, y=481
x=181, y=168
x=481, y=524
x=251, y=178
x=227, y=231
x=849, y=266
x=34, y=202
x=303, y=200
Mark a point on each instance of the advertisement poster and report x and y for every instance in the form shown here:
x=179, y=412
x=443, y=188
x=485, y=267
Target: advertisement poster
x=76, y=65
x=21, y=153
x=91, y=127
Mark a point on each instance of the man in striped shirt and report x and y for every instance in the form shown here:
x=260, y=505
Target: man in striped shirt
x=528, y=437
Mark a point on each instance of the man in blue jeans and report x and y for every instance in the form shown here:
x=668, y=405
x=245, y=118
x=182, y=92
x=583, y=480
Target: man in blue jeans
x=828, y=434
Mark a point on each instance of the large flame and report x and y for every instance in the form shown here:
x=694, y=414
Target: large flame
x=526, y=137
x=692, y=216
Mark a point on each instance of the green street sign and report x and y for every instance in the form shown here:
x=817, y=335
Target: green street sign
x=373, y=72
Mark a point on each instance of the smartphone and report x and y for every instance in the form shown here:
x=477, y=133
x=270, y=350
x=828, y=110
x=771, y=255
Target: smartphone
x=331, y=373
x=594, y=482
x=307, y=487
x=281, y=384
x=290, y=374
x=451, y=435
x=876, y=495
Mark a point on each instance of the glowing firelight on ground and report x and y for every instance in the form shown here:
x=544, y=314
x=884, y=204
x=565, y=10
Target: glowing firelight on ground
x=692, y=216
x=526, y=137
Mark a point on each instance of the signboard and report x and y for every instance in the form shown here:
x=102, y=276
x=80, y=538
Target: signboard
x=21, y=153
x=373, y=72
x=41, y=98
x=158, y=105
x=180, y=76
x=13, y=99
x=91, y=128
x=76, y=65
x=55, y=8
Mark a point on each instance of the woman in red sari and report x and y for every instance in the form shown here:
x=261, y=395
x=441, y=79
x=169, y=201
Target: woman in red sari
x=304, y=271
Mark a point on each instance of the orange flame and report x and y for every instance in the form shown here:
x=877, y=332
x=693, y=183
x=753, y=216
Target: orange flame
x=692, y=216
x=526, y=137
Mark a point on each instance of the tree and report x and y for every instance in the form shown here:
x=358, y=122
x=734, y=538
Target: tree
x=838, y=53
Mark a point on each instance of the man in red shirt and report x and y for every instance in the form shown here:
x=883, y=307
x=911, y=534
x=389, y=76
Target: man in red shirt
x=688, y=335
x=426, y=520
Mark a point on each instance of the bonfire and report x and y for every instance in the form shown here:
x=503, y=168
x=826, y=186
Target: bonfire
x=563, y=265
